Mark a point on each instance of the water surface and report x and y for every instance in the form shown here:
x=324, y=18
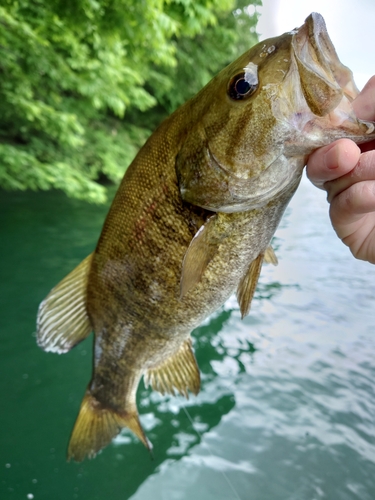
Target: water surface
x=287, y=407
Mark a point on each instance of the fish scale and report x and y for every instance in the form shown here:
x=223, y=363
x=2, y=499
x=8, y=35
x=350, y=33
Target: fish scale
x=192, y=223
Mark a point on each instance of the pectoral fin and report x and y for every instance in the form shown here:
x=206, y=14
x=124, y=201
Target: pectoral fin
x=247, y=285
x=62, y=320
x=179, y=372
x=201, y=251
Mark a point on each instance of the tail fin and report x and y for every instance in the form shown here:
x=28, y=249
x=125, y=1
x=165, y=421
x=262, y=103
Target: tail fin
x=96, y=426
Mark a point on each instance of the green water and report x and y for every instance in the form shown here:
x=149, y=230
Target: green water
x=287, y=407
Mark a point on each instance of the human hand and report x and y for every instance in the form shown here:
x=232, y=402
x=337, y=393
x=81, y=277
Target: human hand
x=347, y=172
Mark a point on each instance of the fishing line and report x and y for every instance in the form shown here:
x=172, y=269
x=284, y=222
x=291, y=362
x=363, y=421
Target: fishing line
x=211, y=453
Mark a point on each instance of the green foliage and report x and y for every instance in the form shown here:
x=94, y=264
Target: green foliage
x=82, y=82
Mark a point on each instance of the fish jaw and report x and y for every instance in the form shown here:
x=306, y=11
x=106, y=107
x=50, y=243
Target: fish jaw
x=321, y=109
x=324, y=79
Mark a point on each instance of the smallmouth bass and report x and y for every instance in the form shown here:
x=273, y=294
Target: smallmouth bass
x=192, y=222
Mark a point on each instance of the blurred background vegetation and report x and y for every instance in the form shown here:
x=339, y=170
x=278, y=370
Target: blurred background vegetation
x=84, y=82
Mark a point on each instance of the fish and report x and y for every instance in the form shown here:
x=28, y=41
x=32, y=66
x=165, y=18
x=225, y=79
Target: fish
x=192, y=223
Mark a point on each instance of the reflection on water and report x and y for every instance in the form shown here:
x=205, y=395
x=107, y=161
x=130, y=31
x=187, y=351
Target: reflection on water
x=287, y=407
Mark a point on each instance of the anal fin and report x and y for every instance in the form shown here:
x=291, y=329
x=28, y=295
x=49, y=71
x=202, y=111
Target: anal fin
x=247, y=285
x=62, y=320
x=180, y=371
x=270, y=256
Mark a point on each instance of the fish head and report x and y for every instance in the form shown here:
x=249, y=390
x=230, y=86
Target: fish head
x=258, y=120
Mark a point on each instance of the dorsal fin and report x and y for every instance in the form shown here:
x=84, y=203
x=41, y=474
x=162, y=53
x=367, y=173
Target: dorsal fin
x=270, y=256
x=62, y=320
x=247, y=285
x=180, y=371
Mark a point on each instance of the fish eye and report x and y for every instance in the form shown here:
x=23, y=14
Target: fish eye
x=241, y=87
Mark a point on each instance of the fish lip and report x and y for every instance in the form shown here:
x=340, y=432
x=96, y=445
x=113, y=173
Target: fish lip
x=320, y=40
x=313, y=47
x=320, y=47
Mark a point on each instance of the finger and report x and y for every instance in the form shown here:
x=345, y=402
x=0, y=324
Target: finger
x=364, y=104
x=353, y=217
x=332, y=161
x=363, y=171
x=360, y=237
x=350, y=206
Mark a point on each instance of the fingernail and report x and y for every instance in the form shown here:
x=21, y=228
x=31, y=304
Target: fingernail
x=330, y=159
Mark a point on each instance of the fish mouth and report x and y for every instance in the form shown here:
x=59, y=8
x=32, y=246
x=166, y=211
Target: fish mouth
x=324, y=79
